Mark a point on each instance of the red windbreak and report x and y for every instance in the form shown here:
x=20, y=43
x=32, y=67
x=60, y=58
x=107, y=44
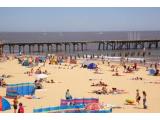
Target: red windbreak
x=0, y=103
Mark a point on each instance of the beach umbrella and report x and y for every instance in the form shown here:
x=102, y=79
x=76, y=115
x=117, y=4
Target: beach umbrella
x=92, y=66
x=41, y=76
x=93, y=106
x=151, y=71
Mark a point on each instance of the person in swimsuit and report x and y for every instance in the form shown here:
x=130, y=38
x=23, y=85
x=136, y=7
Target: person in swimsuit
x=144, y=100
x=15, y=104
x=138, y=97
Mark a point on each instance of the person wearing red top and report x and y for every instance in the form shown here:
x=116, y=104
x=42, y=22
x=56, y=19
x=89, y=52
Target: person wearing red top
x=21, y=108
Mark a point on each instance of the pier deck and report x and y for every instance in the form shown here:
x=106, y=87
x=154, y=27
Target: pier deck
x=80, y=45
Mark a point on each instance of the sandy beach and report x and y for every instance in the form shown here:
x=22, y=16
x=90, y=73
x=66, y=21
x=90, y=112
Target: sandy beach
x=77, y=80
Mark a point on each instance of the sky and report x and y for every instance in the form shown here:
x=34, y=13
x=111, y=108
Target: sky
x=79, y=19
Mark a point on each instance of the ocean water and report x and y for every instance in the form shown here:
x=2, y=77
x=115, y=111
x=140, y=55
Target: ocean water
x=77, y=36
x=82, y=36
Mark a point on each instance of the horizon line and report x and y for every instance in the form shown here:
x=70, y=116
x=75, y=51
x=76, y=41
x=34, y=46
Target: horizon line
x=85, y=31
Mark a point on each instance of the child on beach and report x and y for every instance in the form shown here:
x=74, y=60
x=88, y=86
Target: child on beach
x=138, y=97
x=21, y=108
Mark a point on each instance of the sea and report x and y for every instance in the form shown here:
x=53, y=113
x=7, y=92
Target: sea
x=85, y=36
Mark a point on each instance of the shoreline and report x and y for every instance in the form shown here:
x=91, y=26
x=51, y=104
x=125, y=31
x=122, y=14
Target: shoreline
x=94, y=57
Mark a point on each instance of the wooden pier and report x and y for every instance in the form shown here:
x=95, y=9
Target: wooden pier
x=1, y=49
x=102, y=45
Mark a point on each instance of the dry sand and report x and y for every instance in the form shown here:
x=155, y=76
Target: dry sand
x=77, y=80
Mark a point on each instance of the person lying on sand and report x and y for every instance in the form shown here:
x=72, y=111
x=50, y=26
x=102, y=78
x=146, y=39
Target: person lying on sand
x=116, y=91
x=45, y=72
x=94, y=79
x=3, y=83
x=6, y=76
x=99, y=84
x=112, y=91
x=31, y=97
x=104, y=90
x=97, y=71
x=101, y=91
x=93, y=84
x=155, y=82
x=47, y=81
x=38, y=85
x=38, y=71
x=51, y=81
x=102, y=83
x=128, y=70
x=26, y=72
x=97, y=92
x=116, y=74
x=137, y=78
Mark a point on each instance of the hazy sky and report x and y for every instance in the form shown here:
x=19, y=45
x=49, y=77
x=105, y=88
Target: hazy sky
x=78, y=19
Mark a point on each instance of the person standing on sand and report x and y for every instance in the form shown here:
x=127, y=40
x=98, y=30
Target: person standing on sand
x=144, y=61
x=124, y=66
x=108, y=62
x=44, y=63
x=138, y=97
x=135, y=66
x=15, y=104
x=155, y=65
x=144, y=100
